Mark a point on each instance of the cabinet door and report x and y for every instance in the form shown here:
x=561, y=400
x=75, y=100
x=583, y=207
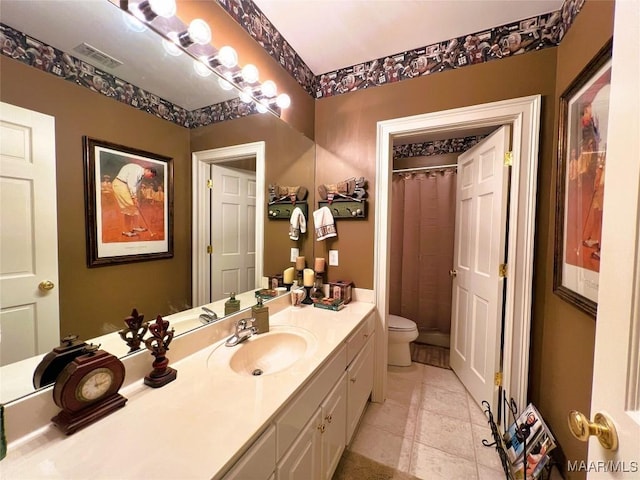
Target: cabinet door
x=259, y=462
x=302, y=461
x=360, y=384
x=334, y=419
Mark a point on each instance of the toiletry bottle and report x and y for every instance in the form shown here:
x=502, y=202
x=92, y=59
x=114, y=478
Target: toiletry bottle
x=261, y=313
x=232, y=305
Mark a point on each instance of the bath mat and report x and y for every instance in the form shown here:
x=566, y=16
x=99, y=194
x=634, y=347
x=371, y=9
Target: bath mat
x=354, y=466
x=429, y=354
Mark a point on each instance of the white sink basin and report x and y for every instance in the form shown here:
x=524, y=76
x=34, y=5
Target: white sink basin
x=266, y=353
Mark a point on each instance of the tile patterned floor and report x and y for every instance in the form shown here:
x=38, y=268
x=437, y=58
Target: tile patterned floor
x=429, y=427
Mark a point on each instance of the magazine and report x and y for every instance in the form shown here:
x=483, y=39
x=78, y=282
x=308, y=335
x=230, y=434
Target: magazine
x=528, y=430
x=537, y=458
x=522, y=431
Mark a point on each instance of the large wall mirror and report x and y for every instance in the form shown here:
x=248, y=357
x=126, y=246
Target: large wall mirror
x=94, y=301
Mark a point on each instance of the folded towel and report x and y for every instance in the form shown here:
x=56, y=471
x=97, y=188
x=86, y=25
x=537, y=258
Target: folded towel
x=325, y=227
x=297, y=224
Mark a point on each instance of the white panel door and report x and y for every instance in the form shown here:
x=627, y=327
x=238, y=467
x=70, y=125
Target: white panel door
x=29, y=323
x=481, y=213
x=616, y=372
x=233, y=223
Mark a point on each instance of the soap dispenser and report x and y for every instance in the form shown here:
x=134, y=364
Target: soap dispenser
x=232, y=305
x=261, y=313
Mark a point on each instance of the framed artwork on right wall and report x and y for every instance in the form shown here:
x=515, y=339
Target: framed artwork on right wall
x=581, y=165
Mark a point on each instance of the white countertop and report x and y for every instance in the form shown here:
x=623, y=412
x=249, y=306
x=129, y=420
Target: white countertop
x=16, y=379
x=194, y=427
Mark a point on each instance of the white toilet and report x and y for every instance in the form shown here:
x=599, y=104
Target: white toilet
x=402, y=331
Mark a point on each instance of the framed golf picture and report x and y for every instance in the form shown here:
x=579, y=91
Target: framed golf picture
x=128, y=204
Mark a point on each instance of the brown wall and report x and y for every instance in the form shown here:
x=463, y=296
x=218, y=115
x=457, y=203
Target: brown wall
x=94, y=301
x=563, y=337
x=346, y=134
x=290, y=161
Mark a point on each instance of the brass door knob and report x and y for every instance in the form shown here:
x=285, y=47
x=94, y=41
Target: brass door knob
x=46, y=285
x=453, y=273
x=602, y=427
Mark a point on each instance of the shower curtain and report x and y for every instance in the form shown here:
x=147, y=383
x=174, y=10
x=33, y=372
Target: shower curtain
x=422, y=238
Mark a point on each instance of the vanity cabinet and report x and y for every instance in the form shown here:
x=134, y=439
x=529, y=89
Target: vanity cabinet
x=311, y=432
x=332, y=428
x=360, y=384
x=359, y=372
x=259, y=461
x=302, y=461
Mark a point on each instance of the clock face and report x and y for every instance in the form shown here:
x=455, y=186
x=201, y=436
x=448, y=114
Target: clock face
x=94, y=384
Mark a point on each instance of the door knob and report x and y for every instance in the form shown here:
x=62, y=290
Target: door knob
x=46, y=285
x=602, y=427
x=453, y=273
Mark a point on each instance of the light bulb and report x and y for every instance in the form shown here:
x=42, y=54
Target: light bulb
x=269, y=89
x=283, y=100
x=199, y=32
x=228, y=57
x=250, y=73
x=170, y=45
x=200, y=68
x=225, y=83
x=245, y=95
x=133, y=23
x=260, y=107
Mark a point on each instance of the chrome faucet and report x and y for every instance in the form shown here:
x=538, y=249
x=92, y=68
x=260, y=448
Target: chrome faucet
x=208, y=316
x=244, y=329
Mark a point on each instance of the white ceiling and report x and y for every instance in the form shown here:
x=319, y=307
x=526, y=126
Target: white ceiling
x=327, y=34
x=332, y=34
x=65, y=24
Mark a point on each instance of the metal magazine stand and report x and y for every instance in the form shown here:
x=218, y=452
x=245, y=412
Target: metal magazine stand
x=498, y=440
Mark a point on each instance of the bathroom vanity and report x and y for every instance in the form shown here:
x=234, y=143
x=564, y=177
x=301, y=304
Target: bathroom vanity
x=281, y=405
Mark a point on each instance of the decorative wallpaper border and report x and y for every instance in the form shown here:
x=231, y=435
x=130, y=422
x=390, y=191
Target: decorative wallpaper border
x=37, y=54
x=437, y=147
x=250, y=17
x=499, y=42
x=503, y=41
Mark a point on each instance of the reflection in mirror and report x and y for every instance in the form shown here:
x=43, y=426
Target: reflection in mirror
x=94, y=302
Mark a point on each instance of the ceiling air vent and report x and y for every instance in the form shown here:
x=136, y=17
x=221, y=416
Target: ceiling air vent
x=95, y=54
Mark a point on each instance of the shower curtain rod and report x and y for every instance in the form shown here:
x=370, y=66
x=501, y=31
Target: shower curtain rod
x=417, y=169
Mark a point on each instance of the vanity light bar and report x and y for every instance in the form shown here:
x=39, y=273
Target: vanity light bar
x=157, y=8
x=224, y=61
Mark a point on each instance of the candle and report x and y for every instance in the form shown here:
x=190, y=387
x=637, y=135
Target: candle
x=308, y=277
x=319, y=265
x=300, y=263
x=287, y=276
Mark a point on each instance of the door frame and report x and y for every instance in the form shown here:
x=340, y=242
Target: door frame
x=201, y=211
x=523, y=115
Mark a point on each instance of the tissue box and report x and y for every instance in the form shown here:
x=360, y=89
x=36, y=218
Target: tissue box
x=341, y=290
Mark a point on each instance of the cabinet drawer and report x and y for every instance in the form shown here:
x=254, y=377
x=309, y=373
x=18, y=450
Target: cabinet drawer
x=259, y=461
x=358, y=338
x=291, y=421
x=359, y=386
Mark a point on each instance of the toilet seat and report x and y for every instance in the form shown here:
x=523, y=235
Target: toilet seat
x=401, y=324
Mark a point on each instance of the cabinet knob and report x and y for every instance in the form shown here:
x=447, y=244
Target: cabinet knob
x=353, y=380
x=329, y=417
x=321, y=427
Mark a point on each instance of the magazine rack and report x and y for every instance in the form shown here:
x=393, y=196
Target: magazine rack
x=498, y=440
